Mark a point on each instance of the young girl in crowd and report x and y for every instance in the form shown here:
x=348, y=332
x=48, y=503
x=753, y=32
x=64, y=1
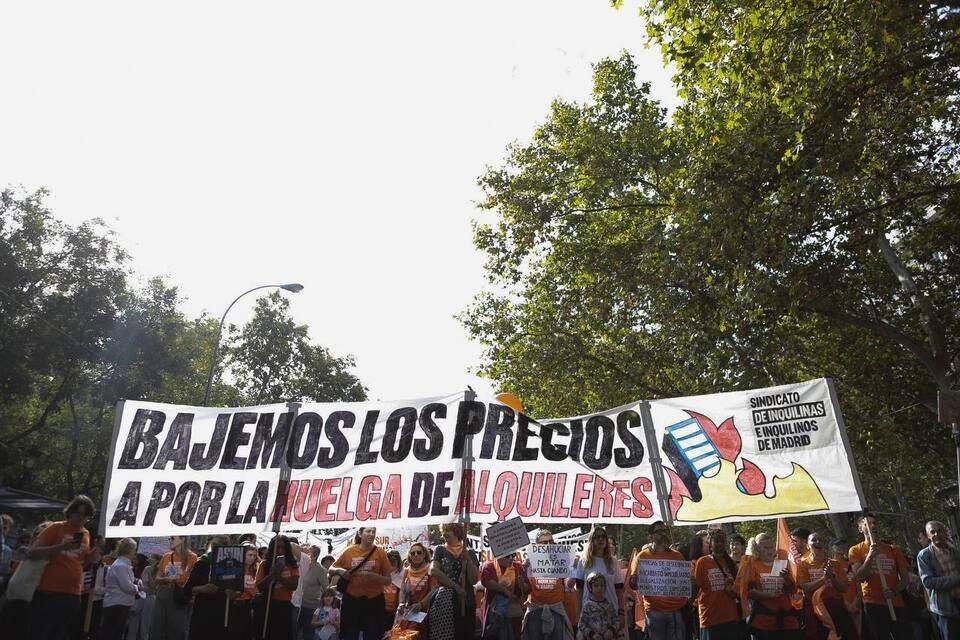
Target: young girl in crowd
x=598, y=619
x=327, y=617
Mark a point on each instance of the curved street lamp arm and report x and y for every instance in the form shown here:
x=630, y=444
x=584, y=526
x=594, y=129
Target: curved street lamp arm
x=216, y=346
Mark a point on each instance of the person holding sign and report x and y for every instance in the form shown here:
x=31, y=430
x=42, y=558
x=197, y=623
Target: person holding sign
x=240, y=622
x=170, y=607
x=717, y=601
x=881, y=570
x=664, y=618
x=277, y=578
x=772, y=615
x=66, y=546
x=452, y=612
x=366, y=569
x=209, y=603
x=546, y=616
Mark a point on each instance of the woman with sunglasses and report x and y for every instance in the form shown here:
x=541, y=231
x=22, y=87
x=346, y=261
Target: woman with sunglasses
x=416, y=585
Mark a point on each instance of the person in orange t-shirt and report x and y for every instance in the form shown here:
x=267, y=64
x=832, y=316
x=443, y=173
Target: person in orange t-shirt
x=368, y=570
x=876, y=564
x=664, y=618
x=240, y=624
x=66, y=546
x=772, y=614
x=817, y=572
x=170, y=607
x=277, y=578
x=717, y=600
x=546, y=599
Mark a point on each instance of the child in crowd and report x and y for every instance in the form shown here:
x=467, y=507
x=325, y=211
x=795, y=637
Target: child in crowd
x=327, y=617
x=598, y=620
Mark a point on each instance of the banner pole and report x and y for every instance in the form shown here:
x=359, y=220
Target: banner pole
x=656, y=462
x=842, y=428
x=466, y=475
x=106, y=481
x=280, y=509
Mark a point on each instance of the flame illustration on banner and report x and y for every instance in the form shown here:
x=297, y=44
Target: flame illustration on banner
x=706, y=483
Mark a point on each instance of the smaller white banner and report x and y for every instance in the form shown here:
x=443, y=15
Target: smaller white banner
x=150, y=546
x=664, y=578
x=507, y=537
x=550, y=561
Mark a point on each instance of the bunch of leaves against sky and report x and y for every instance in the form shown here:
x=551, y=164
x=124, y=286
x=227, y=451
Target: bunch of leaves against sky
x=796, y=216
x=79, y=331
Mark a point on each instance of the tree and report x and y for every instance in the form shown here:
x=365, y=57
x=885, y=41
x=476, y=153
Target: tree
x=795, y=217
x=79, y=331
x=272, y=360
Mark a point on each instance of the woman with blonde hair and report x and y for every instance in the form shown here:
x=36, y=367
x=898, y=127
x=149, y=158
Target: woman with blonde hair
x=120, y=591
x=771, y=613
x=598, y=558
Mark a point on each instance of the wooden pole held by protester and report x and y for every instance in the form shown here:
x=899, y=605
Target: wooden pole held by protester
x=883, y=579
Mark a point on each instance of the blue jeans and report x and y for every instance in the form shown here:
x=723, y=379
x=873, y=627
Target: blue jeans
x=949, y=626
x=666, y=625
x=50, y=613
x=304, y=627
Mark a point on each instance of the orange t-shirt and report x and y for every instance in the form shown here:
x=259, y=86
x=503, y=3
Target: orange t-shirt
x=416, y=582
x=755, y=574
x=890, y=561
x=546, y=591
x=171, y=565
x=249, y=584
x=659, y=603
x=64, y=570
x=377, y=563
x=716, y=605
x=280, y=592
x=810, y=570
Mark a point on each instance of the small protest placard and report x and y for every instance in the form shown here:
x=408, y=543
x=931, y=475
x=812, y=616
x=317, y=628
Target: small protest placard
x=227, y=569
x=550, y=561
x=507, y=537
x=151, y=546
x=664, y=578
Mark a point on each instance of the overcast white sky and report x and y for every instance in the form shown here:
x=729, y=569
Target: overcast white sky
x=231, y=144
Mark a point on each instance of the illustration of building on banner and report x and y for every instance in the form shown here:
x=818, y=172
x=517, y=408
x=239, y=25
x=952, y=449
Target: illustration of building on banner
x=711, y=480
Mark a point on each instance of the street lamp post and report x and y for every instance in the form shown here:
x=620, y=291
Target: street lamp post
x=292, y=288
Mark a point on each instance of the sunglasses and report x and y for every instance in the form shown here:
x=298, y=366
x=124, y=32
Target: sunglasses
x=416, y=553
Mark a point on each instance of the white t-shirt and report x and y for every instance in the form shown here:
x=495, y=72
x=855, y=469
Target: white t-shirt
x=304, y=565
x=598, y=565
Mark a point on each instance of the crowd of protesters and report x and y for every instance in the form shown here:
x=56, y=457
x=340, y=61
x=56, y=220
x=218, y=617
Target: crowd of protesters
x=61, y=584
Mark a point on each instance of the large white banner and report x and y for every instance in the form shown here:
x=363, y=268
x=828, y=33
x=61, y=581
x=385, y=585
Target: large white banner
x=194, y=470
